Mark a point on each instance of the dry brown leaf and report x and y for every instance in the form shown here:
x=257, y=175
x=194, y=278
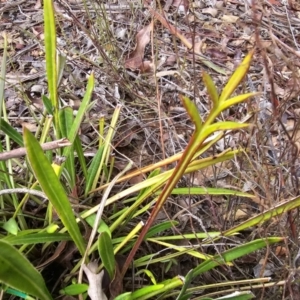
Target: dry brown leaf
x=210, y=11
x=229, y=18
x=135, y=60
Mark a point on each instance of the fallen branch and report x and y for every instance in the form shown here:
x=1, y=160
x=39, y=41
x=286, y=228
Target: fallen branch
x=22, y=151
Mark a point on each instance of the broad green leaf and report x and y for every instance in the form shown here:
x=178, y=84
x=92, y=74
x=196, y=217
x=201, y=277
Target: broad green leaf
x=234, y=253
x=37, y=238
x=17, y=272
x=11, y=132
x=236, y=77
x=211, y=89
x=74, y=289
x=52, y=188
x=106, y=253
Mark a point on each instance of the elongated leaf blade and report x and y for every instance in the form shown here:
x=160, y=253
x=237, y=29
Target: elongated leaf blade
x=192, y=110
x=52, y=188
x=236, y=100
x=50, y=47
x=236, y=77
x=11, y=132
x=80, y=114
x=234, y=253
x=211, y=89
x=106, y=252
x=17, y=272
x=37, y=238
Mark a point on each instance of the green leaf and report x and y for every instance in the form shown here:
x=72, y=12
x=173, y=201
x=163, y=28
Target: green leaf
x=37, y=238
x=74, y=289
x=52, y=188
x=245, y=295
x=160, y=228
x=234, y=253
x=11, y=132
x=265, y=216
x=50, y=49
x=187, y=280
x=209, y=191
x=236, y=77
x=236, y=100
x=17, y=272
x=125, y=296
x=106, y=252
x=48, y=105
x=66, y=120
x=93, y=170
x=192, y=110
x=80, y=114
x=11, y=226
x=211, y=89
x=81, y=158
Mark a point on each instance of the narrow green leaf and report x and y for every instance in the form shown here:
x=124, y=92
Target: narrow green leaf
x=187, y=280
x=93, y=170
x=80, y=114
x=48, y=105
x=160, y=228
x=74, y=289
x=245, y=295
x=11, y=132
x=192, y=110
x=221, y=126
x=66, y=120
x=234, y=253
x=50, y=49
x=211, y=89
x=265, y=216
x=81, y=158
x=37, y=238
x=52, y=188
x=106, y=252
x=209, y=191
x=17, y=272
x=3, y=74
x=236, y=100
x=236, y=77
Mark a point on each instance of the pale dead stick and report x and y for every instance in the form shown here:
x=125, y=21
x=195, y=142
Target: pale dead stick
x=46, y=146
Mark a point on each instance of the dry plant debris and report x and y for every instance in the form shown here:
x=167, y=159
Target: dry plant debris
x=144, y=53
